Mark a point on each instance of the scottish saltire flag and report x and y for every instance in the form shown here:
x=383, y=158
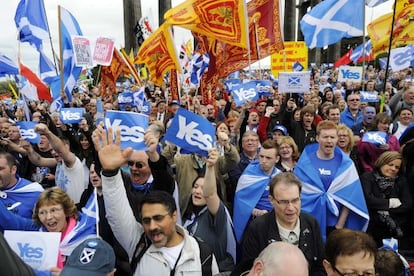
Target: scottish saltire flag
x=132, y=126
x=297, y=67
x=91, y=208
x=331, y=20
x=244, y=92
x=199, y=64
x=358, y=52
x=71, y=73
x=191, y=132
x=71, y=115
x=85, y=228
x=31, y=23
x=7, y=66
x=250, y=187
x=21, y=197
x=402, y=58
x=27, y=131
x=47, y=69
x=383, y=62
x=375, y=137
x=344, y=190
x=374, y=3
x=57, y=104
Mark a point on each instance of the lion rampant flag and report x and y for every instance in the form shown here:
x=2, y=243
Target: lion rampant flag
x=223, y=20
x=159, y=55
x=379, y=30
x=109, y=74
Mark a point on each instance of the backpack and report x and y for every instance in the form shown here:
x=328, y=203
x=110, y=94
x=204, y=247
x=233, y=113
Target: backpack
x=206, y=255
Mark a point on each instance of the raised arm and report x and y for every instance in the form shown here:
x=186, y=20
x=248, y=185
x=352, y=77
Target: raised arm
x=58, y=145
x=210, y=185
x=35, y=158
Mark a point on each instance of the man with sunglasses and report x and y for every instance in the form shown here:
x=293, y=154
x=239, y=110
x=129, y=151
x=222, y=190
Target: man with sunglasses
x=285, y=223
x=172, y=250
x=352, y=115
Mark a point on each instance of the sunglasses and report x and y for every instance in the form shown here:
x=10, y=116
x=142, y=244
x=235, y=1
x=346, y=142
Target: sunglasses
x=137, y=164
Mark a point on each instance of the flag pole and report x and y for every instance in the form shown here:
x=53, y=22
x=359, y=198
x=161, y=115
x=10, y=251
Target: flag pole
x=256, y=36
x=388, y=57
x=363, y=38
x=50, y=38
x=246, y=16
x=62, y=80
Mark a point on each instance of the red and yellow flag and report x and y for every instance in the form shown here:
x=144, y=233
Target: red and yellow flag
x=158, y=54
x=109, y=74
x=223, y=20
x=379, y=30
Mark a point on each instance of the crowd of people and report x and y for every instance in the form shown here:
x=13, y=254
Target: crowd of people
x=298, y=174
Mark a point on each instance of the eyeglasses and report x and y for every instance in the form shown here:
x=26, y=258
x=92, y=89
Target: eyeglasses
x=285, y=148
x=365, y=273
x=285, y=202
x=137, y=164
x=156, y=218
x=52, y=212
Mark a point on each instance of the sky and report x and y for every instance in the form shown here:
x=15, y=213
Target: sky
x=96, y=18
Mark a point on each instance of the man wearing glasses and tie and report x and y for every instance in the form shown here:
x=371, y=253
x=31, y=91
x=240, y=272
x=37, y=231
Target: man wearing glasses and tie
x=285, y=223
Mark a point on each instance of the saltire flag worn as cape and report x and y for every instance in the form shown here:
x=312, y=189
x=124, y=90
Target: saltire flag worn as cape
x=345, y=190
x=250, y=187
x=331, y=20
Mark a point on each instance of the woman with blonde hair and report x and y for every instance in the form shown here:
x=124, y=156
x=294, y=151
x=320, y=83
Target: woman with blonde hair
x=288, y=152
x=346, y=143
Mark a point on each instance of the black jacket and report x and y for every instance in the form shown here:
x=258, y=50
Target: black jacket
x=263, y=231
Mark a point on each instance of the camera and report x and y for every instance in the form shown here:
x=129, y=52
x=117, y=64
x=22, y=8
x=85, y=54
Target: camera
x=394, y=229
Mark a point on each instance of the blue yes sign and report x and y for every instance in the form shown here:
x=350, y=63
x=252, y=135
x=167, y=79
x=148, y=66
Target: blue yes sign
x=191, y=132
x=27, y=132
x=132, y=126
x=71, y=115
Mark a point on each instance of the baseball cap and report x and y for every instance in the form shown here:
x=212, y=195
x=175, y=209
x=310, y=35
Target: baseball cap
x=280, y=128
x=93, y=257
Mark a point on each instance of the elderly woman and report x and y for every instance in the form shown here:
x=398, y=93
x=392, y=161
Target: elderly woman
x=388, y=199
x=54, y=211
x=288, y=152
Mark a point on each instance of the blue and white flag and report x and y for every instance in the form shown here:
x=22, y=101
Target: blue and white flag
x=345, y=190
x=298, y=67
x=234, y=75
x=358, y=52
x=124, y=99
x=244, y=92
x=375, y=137
x=71, y=115
x=383, y=62
x=368, y=97
x=191, y=132
x=331, y=20
x=231, y=84
x=132, y=126
x=263, y=87
x=199, y=64
x=294, y=82
x=91, y=208
x=69, y=28
x=48, y=72
x=374, y=3
x=250, y=187
x=57, y=104
x=401, y=58
x=31, y=23
x=27, y=131
x=7, y=66
x=141, y=102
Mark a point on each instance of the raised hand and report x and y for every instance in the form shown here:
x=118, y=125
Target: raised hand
x=109, y=150
x=212, y=157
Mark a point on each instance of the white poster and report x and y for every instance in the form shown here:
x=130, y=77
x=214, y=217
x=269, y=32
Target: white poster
x=38, y=249
x=350, y=73
x=82, y=51
x=294, y=82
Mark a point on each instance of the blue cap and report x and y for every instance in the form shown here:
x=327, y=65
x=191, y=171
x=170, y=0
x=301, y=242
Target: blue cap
x=280, y=128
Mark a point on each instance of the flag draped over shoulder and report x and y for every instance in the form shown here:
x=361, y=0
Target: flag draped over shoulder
x=219, y=19
x=250, y=187
x=7, y=66
x=345, y=190
x=158, y=54
x=331, y=20
x=379, y=30
x=31, y=23
x=69, y=27
x=42, y=90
